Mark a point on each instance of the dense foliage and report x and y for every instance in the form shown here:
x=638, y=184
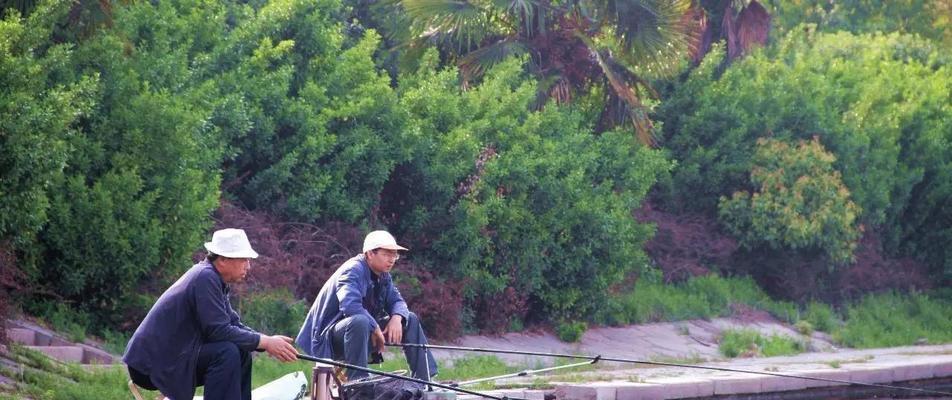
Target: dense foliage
x=272, y=103
x=37, y=113
x=927, y=18
x=519, y=199
x=878, y=103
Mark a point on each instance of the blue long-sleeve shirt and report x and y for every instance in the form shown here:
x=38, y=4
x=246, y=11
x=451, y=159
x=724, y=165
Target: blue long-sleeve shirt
x=351, y=290
x=193, y=311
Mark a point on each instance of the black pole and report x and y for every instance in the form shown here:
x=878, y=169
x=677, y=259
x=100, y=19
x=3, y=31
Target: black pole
x=406, y=378
x=666, y=364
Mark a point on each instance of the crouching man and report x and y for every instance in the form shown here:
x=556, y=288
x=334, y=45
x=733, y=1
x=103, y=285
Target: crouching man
x=359, y=310
x=192, y=337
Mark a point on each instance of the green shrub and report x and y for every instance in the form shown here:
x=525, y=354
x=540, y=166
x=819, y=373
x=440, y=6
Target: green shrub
x=878, y=103
x=516, y=198
x=928, y=19
x=312, y=128
x=820, y=316
x=804, y=327
x=798, y=202
x=750, y=343
x=274, y=312
x=133, y=199
x=891, y=319
x=39, y=110
x=571, y=331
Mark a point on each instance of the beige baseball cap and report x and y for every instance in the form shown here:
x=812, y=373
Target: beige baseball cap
x=381, y=240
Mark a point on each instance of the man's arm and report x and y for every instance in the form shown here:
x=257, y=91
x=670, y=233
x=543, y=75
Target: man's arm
x=399, y=312
x=212, y=310
x=350, y=295
x=219, y=323
x=395, y=303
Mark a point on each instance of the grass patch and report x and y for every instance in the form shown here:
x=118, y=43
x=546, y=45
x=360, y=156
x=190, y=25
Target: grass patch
x=693, y=358
x=45, y=379
x=751, y=343
x=890, y=319
x=703, y=297
x=115, y=342
x=821, y=317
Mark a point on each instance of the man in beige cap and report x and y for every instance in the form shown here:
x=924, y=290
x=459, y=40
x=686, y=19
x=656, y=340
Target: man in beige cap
x=192, y=336
x=359, y=310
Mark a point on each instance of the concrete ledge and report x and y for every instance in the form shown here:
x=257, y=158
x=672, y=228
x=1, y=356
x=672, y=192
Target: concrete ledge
x=641, y=391
x=92, y=355
x=22, y=336
x=616, y=390
x=870, y=374
x=737, y=384
x=942, y=369
x=837, y=374
x=534, y=394
x=684, y=387
x=63, y=353
x=911, y=372
x=782, y=384
x=588, y=391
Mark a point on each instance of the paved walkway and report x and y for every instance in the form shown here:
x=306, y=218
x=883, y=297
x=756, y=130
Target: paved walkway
x=694, y=339
x=902, y=366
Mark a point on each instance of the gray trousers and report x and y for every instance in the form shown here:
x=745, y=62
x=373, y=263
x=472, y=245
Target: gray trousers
x=351, y=342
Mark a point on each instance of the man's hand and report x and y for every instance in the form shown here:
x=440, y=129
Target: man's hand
x=377, y=340
x=394, y=330
x=279, y=347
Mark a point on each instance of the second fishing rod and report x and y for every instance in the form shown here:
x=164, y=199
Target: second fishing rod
x=669, y=364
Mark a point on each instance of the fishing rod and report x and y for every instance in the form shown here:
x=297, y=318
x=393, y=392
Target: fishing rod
x=667, y=364
x=526, y=373
x=405, y=378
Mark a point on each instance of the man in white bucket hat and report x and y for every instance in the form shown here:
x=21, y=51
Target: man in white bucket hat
x=192, y=336
x=359, y=310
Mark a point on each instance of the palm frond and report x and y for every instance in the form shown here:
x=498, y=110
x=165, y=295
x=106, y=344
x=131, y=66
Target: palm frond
x=745, y=29
x=627, y=92
x=703, y=35
x=653, y=35
x=740, y=5
x=466, y=22
x=477, y=62
x=525, y=12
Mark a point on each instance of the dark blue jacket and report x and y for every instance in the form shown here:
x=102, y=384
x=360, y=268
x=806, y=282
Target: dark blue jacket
x=348, y=292
x=193, y=311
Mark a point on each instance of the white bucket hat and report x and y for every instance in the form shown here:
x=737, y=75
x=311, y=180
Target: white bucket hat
x=231, y=243
x=381, y=240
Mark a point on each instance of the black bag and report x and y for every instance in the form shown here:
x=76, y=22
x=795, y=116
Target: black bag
x=381, y=388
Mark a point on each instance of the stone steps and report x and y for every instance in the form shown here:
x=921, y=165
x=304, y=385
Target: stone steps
x=56, y=347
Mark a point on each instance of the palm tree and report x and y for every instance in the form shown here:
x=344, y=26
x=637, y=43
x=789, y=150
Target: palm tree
x=744, y=24
x=572, y=45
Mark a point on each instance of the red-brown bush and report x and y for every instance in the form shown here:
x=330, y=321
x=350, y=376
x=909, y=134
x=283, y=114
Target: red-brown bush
x=874, y=272
x=438, y=303
x=496, y=313
x=300, y=257
x=685, y=245
x=10, y=281
x=804, y=277
x=295, y=256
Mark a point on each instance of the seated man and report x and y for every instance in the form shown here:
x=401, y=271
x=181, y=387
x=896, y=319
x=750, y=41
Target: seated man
x=345, y=320
x=192, y=337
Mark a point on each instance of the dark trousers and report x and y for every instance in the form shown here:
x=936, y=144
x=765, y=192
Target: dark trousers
x=223, y=368
x=351, y=342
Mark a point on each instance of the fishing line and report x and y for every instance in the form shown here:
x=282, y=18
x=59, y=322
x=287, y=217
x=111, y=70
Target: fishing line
x=667, y=364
